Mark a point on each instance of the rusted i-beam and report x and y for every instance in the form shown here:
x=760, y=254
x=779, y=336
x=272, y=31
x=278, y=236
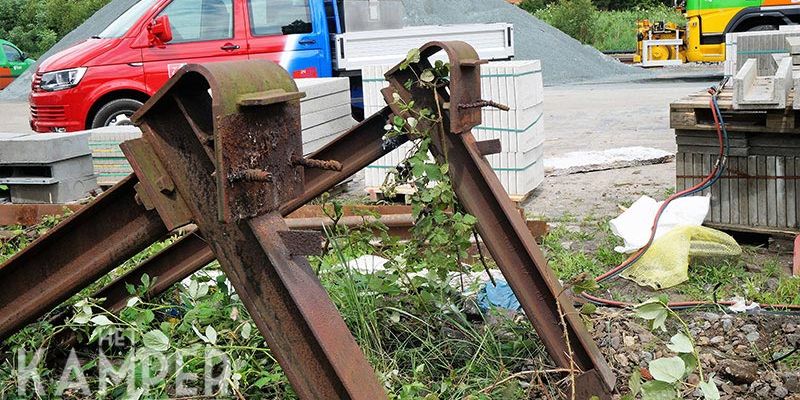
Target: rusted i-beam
x=500, y=225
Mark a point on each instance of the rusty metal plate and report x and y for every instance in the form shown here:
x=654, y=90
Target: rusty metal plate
x=155, y=185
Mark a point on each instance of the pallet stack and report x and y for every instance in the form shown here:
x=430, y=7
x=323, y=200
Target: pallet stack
x=325, y=115
x=46, y=168
x=517, y=84
x=759, y=189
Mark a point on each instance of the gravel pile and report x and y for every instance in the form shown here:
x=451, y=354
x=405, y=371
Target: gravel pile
x=20, y=88
x=564, y=59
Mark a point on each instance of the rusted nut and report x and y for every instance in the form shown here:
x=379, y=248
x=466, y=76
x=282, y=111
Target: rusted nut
x=328, y=165
x=482, y=104
x=250, y=175
x=165, y=185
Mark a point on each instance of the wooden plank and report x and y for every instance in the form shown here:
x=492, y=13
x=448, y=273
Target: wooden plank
x=680, y=183
x=752, y=191
x=772, y=198
x=734, y=190
x=780, y=192
x=791, y=194
x=725, y=198
x=744, y=197
x=761, y=191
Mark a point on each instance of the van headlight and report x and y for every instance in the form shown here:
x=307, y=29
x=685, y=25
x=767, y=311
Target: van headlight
x=64, y=79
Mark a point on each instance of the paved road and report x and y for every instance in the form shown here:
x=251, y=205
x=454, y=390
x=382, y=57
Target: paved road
x=14, y=117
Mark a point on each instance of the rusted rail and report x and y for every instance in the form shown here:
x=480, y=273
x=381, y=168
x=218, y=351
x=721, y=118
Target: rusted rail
x=220, y=150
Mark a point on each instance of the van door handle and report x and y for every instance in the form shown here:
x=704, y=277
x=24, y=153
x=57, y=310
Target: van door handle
x=230, y=47
x=307, y=41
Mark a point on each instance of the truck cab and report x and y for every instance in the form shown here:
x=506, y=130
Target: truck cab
x=105, y=79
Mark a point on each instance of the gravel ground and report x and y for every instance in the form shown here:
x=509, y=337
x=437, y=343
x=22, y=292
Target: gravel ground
x=737, y=348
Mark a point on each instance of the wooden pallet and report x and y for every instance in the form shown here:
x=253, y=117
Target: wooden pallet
x=694, y=112
x=403, y=195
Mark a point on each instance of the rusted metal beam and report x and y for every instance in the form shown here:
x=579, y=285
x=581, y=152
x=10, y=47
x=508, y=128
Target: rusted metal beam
x=499, y=222
x=86, y=246
x=288, y=304
x=32, y=214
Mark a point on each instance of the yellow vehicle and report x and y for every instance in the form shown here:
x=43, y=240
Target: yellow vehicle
x=703, y=38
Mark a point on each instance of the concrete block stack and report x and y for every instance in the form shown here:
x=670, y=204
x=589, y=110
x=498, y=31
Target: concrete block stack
x=760, y=45
x=325, y=115
x=517, y=84
x=46, y=168
x=325, y=111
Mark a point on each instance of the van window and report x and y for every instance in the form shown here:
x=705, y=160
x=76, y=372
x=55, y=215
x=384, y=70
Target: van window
x=279, y=17
x=12, y=54
x=194, y=21
x=124, y=22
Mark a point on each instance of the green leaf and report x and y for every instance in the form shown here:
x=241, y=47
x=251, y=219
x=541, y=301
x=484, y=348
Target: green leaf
x=412, y=56
x=657, y=390
x=669, y=370
x=156, y=340
x=649, y=310
x=211, y=334
x=681, y=343
x=132, y=302
x=690, y=360
x=588, y=309
x=635, y=382
x=427, y=76
x=101, y=320
x=709, y=389
x=246, y=330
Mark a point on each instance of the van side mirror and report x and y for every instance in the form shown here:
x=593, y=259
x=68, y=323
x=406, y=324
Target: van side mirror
x=159, y=32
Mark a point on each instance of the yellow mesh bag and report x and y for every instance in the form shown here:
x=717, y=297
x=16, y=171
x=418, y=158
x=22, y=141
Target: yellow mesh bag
x=666, y=263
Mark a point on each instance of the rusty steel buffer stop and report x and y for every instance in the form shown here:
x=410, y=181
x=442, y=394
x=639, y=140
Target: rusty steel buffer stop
x=221, y=149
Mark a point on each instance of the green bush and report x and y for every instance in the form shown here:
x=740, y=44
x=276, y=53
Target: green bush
x=576, y=18
x=616, y=30
x=36, y=25
x=605, y=30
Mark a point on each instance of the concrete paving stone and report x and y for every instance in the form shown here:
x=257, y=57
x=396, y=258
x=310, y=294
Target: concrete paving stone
x=319, y=87
x=311, y=120
x=57, y=171
x=66, y=191
x=793, y=45
x=44, y=148
x=325, y=102
x=12, y=135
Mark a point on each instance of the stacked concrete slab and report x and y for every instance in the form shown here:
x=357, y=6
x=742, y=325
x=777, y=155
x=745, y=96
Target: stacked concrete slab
x=517, y=84
x=325, y=111
x=325, y=115
x=46, y=168
x=752, y=91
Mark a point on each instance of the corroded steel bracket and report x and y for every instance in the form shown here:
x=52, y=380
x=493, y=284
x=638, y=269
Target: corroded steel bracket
x=221, y=149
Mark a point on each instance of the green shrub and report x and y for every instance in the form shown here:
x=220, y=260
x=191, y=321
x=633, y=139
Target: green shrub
x=36, y=25
x=605, y=30
x=576, y=18
x=532, y=6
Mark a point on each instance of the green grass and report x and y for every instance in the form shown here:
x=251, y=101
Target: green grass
x=610, y=30
x=616, y=30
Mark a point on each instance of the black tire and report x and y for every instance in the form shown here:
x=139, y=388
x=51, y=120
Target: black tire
x=116, y=112
x=759, y=28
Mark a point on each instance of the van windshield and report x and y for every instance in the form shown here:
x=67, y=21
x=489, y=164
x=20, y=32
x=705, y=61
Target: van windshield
x=123, y=24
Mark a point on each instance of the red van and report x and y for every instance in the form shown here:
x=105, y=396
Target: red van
x=103, y=80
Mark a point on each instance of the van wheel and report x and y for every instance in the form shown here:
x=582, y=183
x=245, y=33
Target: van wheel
x=116, y=113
